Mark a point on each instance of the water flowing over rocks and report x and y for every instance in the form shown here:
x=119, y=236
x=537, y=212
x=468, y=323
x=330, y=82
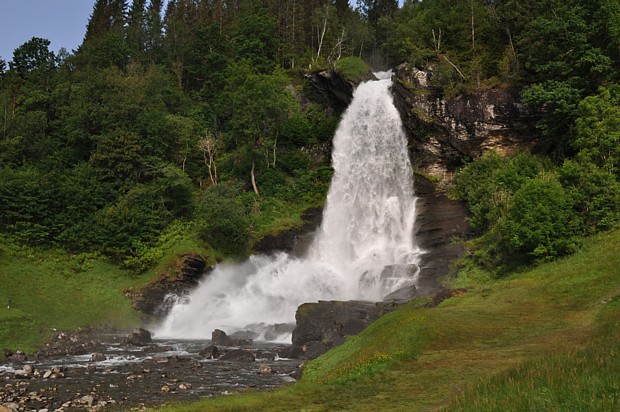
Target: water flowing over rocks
x=443, y=131
x=120, y=376
x=367, y=225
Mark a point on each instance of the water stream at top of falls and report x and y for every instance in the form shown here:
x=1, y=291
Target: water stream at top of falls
x=364, y=248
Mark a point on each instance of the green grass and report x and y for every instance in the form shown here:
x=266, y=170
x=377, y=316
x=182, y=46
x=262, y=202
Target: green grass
x=352, y=68
x=543, y=339
x=54, y=290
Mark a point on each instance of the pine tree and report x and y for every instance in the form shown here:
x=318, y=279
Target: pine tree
x=153, y=42
x=136, y=29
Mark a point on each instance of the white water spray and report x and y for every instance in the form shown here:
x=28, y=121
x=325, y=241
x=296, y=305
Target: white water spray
x=364, y=249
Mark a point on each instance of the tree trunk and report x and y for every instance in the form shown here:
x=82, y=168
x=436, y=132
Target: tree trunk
x=254, y=180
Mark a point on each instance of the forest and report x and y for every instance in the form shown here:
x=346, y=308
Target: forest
x=197, y=120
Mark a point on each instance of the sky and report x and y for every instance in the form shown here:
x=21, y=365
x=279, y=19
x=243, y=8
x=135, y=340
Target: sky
x=62, y=22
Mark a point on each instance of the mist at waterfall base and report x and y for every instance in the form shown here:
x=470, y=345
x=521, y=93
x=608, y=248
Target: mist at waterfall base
x=367, y=227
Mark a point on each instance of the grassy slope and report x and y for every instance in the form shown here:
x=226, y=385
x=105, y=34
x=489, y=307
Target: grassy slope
x=58, y=292
x=544, y=339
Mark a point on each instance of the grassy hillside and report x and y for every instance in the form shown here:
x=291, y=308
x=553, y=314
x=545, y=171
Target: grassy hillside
x=54, y=290
x=543, y=339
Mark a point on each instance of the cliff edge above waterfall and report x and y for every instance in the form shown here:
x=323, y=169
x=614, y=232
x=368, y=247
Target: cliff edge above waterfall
x=445, y=130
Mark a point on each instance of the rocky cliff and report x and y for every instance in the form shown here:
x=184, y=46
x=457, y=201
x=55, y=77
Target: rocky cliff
x=443, y=131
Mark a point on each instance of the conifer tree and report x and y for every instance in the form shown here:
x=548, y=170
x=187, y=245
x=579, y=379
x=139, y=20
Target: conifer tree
x=153, y=42
x=136, y=29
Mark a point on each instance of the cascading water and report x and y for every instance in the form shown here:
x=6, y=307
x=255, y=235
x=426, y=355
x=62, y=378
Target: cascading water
x=364, y=249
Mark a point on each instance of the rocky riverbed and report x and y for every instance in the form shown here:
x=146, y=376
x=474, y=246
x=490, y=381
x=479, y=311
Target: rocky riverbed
x=88, y=370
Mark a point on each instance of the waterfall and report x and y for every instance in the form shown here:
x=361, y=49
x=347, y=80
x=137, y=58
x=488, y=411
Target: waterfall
x=364, y=249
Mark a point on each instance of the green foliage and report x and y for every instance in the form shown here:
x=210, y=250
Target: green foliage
x=598, y=130
x=352, y=68
x=489, y=183
x=538, y=221
x=223, y=218
x=525, y=209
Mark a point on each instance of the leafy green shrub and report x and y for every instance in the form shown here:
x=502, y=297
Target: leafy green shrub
x=489, y=183
x=596, y=195
x=540, y=220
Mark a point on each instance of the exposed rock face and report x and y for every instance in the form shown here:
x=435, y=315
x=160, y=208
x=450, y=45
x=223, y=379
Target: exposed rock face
x=157, y=298
x=441, y=227
x=332, y=90
x=444, y=131
x=323, y=325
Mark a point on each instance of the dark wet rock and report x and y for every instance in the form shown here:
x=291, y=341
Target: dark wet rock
x=333, y=90
x=210, y=352
x=314, y=349
x=296, y=374
x=402, y=295
x=18, y=357
x=238, y=355
x=139, y=337
x=7, y=353
x=98, y=357
x=290, y=352
x=157, y=298
x=441, y=229
x=328, y=323
x=219, y=338
x=265, y=355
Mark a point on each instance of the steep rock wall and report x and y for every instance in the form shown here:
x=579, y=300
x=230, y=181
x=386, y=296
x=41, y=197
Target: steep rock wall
x=445, y=131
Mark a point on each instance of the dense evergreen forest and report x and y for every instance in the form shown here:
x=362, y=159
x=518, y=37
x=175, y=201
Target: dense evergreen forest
x=195, y=120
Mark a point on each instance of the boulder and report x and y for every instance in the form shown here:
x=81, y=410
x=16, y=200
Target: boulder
x=219, y=337
x=314, y=349
x=238, y=355
x=323, y=325
x=290, y=352
x=210, y=352
x=9, y=407
x=139, y=337
x=98, y=357
x=18, y=357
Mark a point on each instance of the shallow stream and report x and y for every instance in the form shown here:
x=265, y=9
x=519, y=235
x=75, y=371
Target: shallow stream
x=135, y=377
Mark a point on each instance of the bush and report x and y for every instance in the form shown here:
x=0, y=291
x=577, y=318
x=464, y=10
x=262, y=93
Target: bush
x=222, y=219
x=352, y=68
x=540, y=221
